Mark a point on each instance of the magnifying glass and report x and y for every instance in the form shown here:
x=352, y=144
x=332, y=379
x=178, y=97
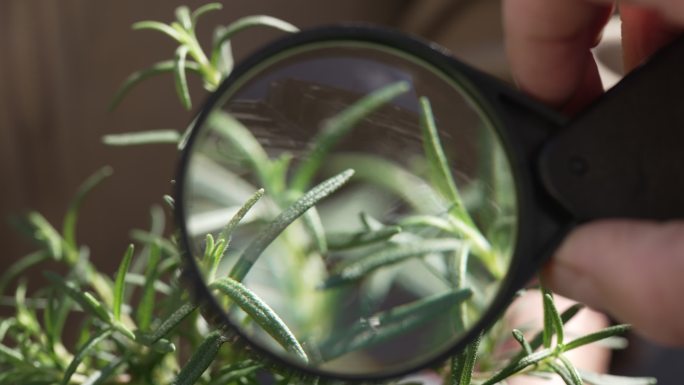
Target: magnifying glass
x=358, y=204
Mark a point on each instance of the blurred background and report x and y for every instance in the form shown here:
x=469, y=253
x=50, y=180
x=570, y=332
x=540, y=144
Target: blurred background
x=63, y=60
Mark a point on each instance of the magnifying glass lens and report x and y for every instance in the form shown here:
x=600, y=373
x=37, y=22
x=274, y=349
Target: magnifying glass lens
x=387, y=217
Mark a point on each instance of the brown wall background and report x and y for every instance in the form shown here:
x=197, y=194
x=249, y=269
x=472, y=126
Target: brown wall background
x=61, y=61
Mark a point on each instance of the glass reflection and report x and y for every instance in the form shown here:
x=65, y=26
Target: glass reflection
x=387, y=216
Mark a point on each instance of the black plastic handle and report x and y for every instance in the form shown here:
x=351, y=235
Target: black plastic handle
x=624, y=156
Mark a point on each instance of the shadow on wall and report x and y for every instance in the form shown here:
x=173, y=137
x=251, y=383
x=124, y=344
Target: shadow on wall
x=66, y=59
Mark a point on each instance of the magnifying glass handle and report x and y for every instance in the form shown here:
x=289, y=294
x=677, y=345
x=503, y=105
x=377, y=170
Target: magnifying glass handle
x=624, y=156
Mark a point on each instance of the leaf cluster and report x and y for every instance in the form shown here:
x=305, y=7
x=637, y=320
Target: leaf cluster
x=138, y=326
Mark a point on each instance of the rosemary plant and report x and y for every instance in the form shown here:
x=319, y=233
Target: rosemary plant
x=138, y=325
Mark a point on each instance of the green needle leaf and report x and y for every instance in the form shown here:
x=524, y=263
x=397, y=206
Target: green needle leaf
x=227, y=231
x=572, y=371
x=164, y=346
x=537, y=340
x=515, y=367
x=124, y=330
x=206, y=8
x=69, y=226
x=518, y=335
x=25, y=315
x=439, y=165
x=55, y=316
x=137, y=77
x=554, y=318
x=261, y=313
x=167, y=325
x=151, y=238
x=455, y=226
x=463, y=364
x=245, y=23
x=391, y=323
x=86, y=300
x=224, y=60
x=548, y=318
x=610, y=331
x=234, y=372
x=391, y=177
x=343, y=241
x=242, y=140
x=390, y=255
x=370, y=223
x=563, y=373
x=209, y=245
x=83, y=352
x=313, y=222
x=289, y=215
x=13, y=356
x=181, y=81
x=183, y=17
x=170, y=201
x=142, y=138
x=20, y=266
x=147, y=300
x=5, y=326
x=102, y=375
x=201, y=359
x=338, y=127
x=119, y=283
x=46, y=234
x=161, y=27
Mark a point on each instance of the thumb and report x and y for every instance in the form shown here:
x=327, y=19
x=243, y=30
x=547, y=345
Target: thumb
x=631, y=269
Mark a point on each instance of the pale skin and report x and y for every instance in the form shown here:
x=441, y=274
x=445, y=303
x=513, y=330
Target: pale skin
x=627, y=268
x=630, y=269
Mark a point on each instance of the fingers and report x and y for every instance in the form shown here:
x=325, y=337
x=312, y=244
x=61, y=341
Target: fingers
x=631, y=269
x=548, y=45
x=670, y=10
x=644, y=30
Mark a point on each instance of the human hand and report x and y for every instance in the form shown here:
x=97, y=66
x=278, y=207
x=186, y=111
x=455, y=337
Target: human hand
x=631, y=269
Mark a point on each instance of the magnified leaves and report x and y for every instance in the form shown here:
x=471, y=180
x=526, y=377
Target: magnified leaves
x=261, y=314
x=358, y=269
x=342, y=241
x=438, y=163
x=244, y=142
x=388, y=324
x=338, y=127
x=216, y=252
x=433, y=228
x=266, y=236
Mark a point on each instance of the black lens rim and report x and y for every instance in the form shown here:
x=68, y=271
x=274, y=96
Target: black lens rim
x=478, y=87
